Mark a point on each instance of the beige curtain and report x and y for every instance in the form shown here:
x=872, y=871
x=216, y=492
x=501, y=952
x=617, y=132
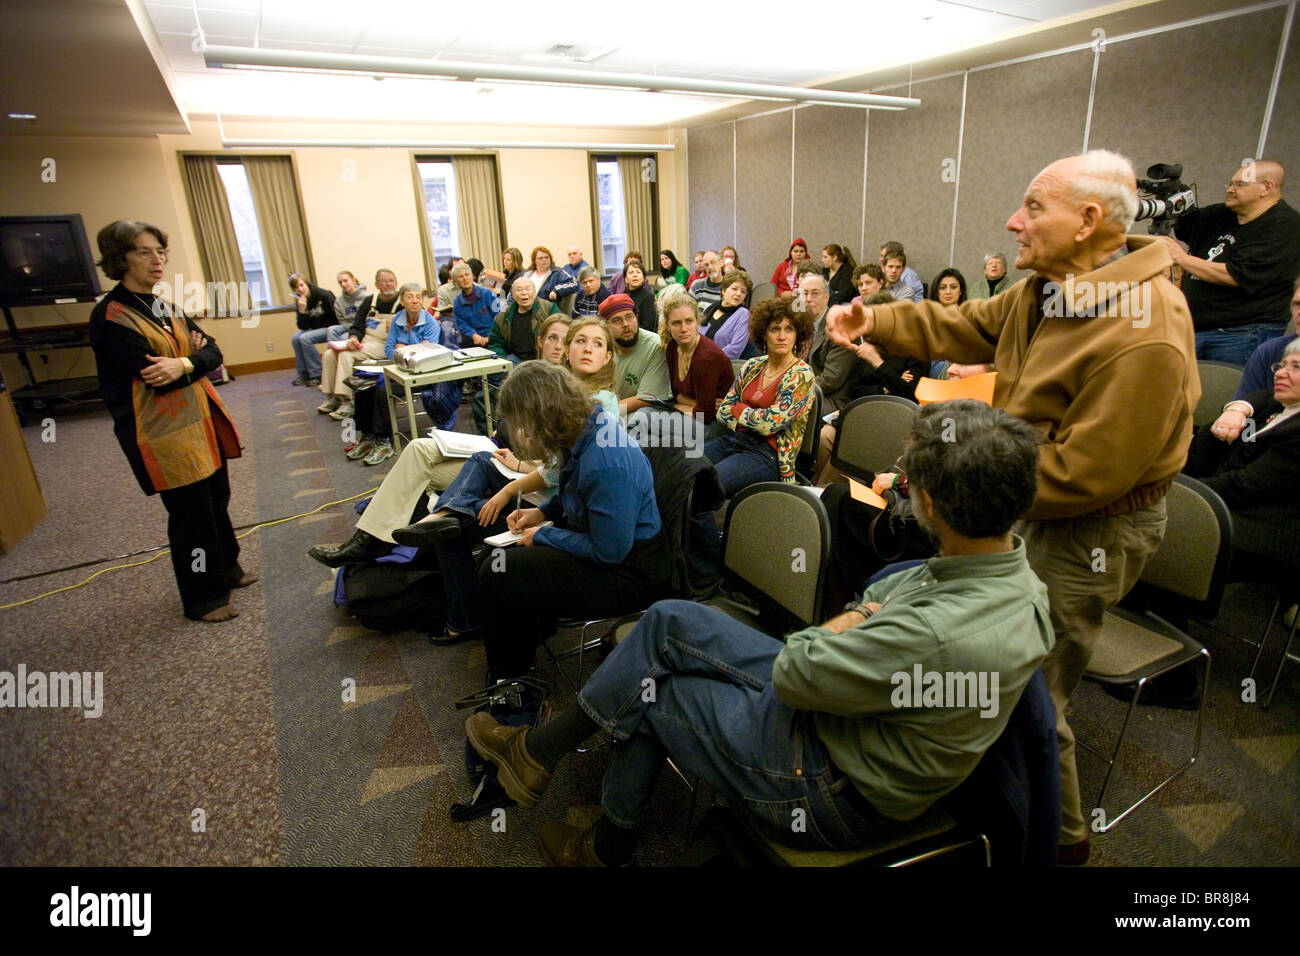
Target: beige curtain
x=478, y=207
x=639, y=205
x=426, y=239
x=597, y=253
x=215, y=230
x=280, y=223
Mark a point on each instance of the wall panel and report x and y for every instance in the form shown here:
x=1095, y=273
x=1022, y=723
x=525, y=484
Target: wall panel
x=763, y=192
x=829, y=156
x=710, y=175
x=1283, y=143
x=908, y=198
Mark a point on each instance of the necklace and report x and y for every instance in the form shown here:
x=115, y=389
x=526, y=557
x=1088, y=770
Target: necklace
x=770, y=375
x=156, y=309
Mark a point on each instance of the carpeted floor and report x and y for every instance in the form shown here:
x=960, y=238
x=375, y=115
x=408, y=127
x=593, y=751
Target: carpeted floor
x=246, y=721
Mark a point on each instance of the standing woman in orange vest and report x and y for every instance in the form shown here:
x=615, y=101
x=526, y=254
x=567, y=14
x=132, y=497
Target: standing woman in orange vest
x=153, y=365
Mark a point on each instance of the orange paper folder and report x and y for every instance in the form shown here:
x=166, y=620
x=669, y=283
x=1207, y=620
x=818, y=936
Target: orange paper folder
x=978, y=387
x=860, y=492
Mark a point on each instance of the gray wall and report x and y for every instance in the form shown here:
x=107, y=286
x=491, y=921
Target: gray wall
x=1195, y=95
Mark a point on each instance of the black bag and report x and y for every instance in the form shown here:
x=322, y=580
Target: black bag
x=395, y=597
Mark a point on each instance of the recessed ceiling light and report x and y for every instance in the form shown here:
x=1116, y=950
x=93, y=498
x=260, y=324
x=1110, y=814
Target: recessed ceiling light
x=30, y=117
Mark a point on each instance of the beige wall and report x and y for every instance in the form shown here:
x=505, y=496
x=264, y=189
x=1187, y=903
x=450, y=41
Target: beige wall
x=360, y=204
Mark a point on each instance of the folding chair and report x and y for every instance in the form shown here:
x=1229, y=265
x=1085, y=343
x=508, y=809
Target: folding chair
x=1219, y=382
x=1189, y=570
x=870, y=434
x=762, y=292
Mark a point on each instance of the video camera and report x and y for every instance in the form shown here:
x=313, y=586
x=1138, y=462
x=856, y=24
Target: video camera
x=1170, y=197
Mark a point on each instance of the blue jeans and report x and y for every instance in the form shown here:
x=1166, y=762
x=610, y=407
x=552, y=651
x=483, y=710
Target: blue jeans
x=304, y=347
x=1235, y=344
x=472, y=486
x=693, y=684
x=740, y=460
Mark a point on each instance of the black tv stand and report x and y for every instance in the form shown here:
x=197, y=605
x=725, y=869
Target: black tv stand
x=37, y=397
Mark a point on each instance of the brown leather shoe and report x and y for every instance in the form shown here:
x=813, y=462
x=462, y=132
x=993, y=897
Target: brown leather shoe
x=523, y=778
x=1074, y=854
x=564, y=845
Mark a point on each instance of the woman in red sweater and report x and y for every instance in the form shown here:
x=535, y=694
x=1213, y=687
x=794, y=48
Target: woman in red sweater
x=783, y=276
x=700, y=372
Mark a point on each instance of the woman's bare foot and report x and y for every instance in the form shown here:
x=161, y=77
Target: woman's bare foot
x=248, y=579
x=220, y=614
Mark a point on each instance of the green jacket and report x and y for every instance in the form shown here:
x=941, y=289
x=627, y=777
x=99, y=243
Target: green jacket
x=499, y=337
x=983, y=615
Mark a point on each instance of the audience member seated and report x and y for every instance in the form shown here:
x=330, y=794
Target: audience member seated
x=708, y=290
x=699, y=372
x=552, y=284
x=596, y=559
x=897, y=285
x=670, y=271
x=576, y=263
x=616, y=285
x=514, y=330
x=410, y=326
x=642, y=296
x=512, y=264
x=783, y=276
x=317, y=309
x=868, y=279
x=995, y=277
x=592, y=294
x=908, y=275
x=837, y=267
x=474, y=306
x=730, y=259
x=739, y=708
x=352, y=294
x=640, y=367
x=832, y=365
x=366, y=339
x=727, y=322
x=698, y=272
x=1251, y=457
x=445, y=300
x=948, y=288
x=423, y=470
x=1258, y=374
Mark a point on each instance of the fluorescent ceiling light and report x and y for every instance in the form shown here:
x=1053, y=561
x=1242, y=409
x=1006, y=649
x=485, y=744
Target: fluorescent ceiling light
x=443, y=144
x=220, y=56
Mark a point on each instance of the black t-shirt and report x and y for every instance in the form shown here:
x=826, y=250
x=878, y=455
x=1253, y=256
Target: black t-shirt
x=1262, y=256
x=320, y=309
x=522, y=340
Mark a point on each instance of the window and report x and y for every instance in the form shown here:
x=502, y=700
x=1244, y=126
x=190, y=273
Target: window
x=440, y=205
x=235, y=178
x=613, y=218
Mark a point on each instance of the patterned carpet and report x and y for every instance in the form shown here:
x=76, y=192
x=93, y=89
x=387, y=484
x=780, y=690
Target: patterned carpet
x=247, y=722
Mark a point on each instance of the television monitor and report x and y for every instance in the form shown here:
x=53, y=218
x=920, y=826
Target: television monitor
x=45, y=260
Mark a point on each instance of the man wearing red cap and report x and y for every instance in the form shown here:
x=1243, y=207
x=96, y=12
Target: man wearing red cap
x=640, y=368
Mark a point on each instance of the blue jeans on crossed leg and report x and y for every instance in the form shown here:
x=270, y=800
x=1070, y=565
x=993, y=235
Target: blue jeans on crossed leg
x=696, y=685
x=304, y=347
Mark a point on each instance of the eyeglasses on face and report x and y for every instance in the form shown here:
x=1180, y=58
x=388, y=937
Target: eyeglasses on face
x=146, y=254
x=1292, y=368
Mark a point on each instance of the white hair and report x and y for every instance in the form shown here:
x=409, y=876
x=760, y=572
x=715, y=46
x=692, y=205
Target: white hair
x=458, y=268
x=1108, y=178
x=1292, y=348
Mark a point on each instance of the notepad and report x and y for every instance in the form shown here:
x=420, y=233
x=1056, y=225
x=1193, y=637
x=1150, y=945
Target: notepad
x=978, y=387
x=508, y=472
x=459, y=444
x=506, y=538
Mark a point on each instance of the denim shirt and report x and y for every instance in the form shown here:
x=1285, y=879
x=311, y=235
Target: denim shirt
x=425, y=330
x=606, y=499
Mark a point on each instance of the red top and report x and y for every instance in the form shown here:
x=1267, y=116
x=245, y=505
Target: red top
x=708, y=379
x=755, y=396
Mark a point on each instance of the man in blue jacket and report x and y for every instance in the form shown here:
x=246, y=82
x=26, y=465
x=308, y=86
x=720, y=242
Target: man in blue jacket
x=837, y=736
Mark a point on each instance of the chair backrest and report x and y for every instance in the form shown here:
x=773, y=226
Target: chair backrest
x=776, y=549
x=737, y=365
x=1191, y=563
x=762, y=292
x=565, y=303
x=1219, y=382
x=813, y=428
x=870, y=433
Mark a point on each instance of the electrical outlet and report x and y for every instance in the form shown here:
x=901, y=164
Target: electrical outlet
x=270, y=346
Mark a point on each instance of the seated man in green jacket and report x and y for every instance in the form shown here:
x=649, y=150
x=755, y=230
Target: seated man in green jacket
x=844, y=731
x=514, y=330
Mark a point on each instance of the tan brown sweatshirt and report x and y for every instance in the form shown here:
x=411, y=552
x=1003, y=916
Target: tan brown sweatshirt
x=1111, y=387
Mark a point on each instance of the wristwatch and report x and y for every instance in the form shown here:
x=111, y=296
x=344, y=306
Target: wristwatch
x=859, y=607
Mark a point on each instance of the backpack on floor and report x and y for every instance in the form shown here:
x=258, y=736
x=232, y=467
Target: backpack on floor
x=395, y=597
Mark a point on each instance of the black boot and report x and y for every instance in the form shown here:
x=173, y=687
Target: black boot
x=360, y=547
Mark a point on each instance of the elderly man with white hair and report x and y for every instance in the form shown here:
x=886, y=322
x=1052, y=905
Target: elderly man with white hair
x=1095, y=350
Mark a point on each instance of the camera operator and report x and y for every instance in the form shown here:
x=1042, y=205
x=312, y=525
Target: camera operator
x=1243, y=255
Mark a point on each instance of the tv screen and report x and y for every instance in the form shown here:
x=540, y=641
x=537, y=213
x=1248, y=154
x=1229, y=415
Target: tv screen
x=45, y=259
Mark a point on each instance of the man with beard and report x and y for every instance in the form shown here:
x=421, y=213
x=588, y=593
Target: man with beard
x=818, y=722
x=640, y=366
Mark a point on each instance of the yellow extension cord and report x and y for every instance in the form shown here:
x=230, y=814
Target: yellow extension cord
x=118, y=567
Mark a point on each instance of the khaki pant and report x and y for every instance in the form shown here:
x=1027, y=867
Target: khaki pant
x=1088, y=565
x=420, y=468
x=337, y=366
